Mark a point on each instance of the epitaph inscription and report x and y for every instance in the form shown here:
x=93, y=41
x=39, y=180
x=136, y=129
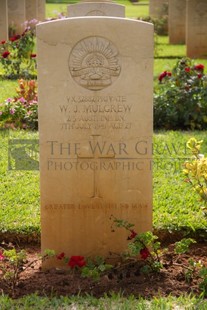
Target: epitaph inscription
x=94, y=63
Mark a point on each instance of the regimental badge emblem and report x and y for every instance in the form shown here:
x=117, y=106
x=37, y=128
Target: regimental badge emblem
x=94, y=63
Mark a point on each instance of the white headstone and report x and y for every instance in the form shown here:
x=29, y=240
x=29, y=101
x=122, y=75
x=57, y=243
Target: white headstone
x=41, y=15
x=95, y=86
x=158, y=8
x=196, y=29
x=96, y=9
x=3, y=20
x=31, y=9
x=17, y=15
x=177, y=21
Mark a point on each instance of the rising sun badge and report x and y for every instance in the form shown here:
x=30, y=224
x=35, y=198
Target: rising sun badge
x=94, y=63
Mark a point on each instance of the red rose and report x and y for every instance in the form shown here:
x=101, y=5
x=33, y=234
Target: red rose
x=1, y=255
x=61, y=255
x=163, y=75
x=144, y=253
x=200, y=76
x=15, y=38
x=199, y=67
x=187, y=69
x=5, y=54
x=33, y=55
x=76, y=261
x=133, y=235
x=3, y=42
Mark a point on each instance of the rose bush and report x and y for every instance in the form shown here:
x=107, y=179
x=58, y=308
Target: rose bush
x=17, y=55
x=180, y=99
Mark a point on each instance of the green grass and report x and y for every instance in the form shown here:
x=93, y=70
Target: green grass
x=176, y=206
x=19, y=199
x=114, y=302
x=166, y=55
x=7, y=89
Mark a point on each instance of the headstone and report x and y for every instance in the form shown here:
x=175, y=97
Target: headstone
x=177, y=21
x=41, y=10
x=158, y=8
x=3, y=20
x=31, y=9
x=95, y=85
x=17, y=15
x=196, y=36
x=96, y=9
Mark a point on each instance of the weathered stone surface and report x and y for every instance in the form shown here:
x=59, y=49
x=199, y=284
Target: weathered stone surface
x=17, y=14
x=41, y=10
x=96, y=9
x=177, y=21
x=95, y=84
x=158, y=8
x=31, y=9
x=3, y=20
x=196, y=29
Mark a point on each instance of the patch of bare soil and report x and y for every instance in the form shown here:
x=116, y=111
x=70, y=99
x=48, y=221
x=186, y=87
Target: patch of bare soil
x=126, y=278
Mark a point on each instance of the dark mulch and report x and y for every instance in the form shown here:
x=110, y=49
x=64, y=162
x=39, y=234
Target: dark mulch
x=125, y=278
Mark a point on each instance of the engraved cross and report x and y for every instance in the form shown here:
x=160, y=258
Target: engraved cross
x=96, y=193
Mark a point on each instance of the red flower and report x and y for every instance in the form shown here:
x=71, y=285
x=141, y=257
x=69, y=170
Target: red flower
x=144, y=253
x=76, y=261
x=3, y=42
x=5, y=54
x=33, y=55
x=133, y=235
x=199, y=67
x=187, y=69
x=15, y=38
x=163, y=75
x=61, y=255
x=200, y=76
x=1, y=256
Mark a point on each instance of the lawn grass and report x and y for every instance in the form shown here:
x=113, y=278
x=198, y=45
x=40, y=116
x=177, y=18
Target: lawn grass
x=114, y=302
x=19, y=199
